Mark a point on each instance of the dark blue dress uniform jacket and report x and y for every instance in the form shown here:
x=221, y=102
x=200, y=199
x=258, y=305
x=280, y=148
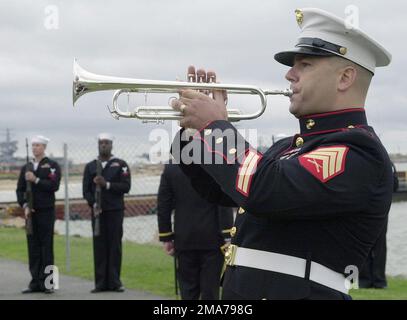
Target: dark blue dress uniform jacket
x=321, y=195
x=117, y=173
x=198, y=224
x=49, y=173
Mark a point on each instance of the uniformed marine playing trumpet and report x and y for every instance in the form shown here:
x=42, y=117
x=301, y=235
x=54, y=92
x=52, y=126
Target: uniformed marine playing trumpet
x=314, y=203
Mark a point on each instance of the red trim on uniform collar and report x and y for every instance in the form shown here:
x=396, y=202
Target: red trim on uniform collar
x=323, y=131
x=324, y=114
x=332, y=121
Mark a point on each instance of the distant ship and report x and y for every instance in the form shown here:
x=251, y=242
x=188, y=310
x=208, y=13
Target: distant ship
x=9, y=163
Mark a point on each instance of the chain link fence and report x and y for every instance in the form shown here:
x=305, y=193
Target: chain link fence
x=73, y=215
x=72, y=211
x=140, y=222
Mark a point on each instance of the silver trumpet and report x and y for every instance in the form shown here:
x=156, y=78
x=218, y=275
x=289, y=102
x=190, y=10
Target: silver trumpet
x=85, y=82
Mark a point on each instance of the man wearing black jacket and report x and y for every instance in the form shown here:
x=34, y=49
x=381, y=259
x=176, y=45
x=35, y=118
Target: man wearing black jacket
x=314, y=204
x=201, y=232
x=44, y=174
x=115, y=181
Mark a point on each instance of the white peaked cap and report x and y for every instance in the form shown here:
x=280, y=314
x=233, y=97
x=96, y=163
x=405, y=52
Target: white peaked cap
x=40, y=139
x=105, y=136
x=324, y=34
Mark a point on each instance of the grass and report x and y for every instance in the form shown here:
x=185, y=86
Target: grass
x=146, y=267
x=397, y=290
x=9, y=176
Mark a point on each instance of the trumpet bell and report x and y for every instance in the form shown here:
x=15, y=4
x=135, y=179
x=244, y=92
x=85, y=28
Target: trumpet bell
x=77, y=86
x=86, y=82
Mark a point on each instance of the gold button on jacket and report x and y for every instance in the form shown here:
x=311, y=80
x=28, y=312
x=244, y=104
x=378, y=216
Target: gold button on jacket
x=309, y=124
x=299, y=142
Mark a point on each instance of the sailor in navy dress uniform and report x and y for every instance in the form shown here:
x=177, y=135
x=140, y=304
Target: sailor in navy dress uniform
x=201, y=232
x=45, y=178
x=314, y=204
x=107, y=246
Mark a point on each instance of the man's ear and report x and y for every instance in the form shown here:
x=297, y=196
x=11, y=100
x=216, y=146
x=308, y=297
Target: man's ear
x=347, y=78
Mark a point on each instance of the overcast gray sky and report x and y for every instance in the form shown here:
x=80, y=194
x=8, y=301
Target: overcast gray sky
x=158, y=40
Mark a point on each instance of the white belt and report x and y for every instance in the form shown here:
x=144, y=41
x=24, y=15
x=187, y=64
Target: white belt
x=264, y=260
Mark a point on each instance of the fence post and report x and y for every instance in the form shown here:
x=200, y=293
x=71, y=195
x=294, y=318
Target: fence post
x=66, y=210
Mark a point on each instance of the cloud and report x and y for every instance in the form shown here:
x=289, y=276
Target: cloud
x=158, y=40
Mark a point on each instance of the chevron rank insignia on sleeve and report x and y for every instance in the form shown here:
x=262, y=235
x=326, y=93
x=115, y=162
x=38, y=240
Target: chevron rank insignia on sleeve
x=326, y=162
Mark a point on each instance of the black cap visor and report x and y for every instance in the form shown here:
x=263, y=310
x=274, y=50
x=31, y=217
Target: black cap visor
x=287, y=57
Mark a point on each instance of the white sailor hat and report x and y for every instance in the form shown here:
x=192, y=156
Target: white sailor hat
x=40, y=139
x=324, y=34
x=105, y=136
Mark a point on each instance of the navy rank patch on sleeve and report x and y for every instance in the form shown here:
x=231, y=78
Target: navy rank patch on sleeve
x=326, y=162
x=125, y=171
x=52, y=175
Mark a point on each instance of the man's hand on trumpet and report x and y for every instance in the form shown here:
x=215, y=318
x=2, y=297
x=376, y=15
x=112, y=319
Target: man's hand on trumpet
x=198, y=107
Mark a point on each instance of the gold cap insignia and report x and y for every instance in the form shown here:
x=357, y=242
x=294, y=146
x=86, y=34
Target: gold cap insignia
x=299, y=16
